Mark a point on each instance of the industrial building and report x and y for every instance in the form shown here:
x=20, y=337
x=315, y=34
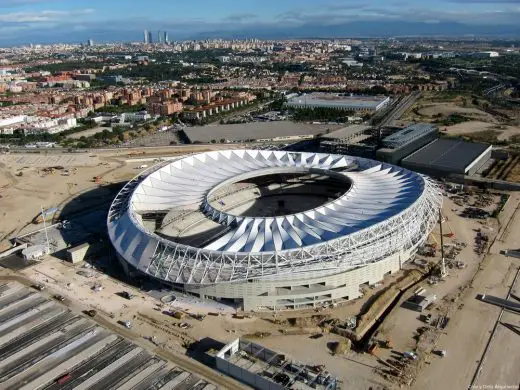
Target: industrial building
x=339, y=102
x=264, y=369
x=357, y=140
x=272, y=229
x=448, y=156
x=397, y=146
x=43, y=345
x=349, y=134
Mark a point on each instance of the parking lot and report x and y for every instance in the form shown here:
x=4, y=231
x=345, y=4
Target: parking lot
x=43, y=345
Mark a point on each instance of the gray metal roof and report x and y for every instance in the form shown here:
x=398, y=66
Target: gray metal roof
x=336, y=100
x=446, y=154
x=407, y=135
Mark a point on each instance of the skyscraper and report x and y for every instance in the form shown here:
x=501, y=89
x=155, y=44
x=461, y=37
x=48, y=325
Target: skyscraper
x=90, y=43
x=166, y=37
x=159, y=36
x=150, y=39
x=145, y=36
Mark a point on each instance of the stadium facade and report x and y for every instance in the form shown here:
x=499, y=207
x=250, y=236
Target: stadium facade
x=220, y=226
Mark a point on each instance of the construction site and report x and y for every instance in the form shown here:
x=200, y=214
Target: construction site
x=415, y=328
x=506, y=168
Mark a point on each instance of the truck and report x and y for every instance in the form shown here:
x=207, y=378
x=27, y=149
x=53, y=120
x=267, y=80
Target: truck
x=175, y=314
x=127, y=295
x=410, y=355
x=63, y=379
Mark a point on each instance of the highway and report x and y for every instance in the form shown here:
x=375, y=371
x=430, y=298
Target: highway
x=399, y=110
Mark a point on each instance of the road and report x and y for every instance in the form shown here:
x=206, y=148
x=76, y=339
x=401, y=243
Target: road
x=398, y=111
x=182, y=361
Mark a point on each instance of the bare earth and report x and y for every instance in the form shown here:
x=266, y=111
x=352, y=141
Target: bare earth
x=470, y=326
x=446, y=109
x=474, y=126
x=464, y=338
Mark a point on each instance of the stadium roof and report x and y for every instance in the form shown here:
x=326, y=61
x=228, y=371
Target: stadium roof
x=446, y=155
x=361, y=225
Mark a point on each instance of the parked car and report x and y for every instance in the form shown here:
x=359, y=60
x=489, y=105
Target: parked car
x=127, y=295
x=59, y=298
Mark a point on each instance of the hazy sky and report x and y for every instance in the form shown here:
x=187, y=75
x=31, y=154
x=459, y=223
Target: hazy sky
x=23, y=20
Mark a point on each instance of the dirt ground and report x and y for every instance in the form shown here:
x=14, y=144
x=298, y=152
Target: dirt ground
x=472, y=321
x=446, y=109
x=505, y=132
x=464, y=338
x=25, y=187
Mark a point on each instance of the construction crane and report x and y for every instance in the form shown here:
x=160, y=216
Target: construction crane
x=451, y=234
x=443, y=272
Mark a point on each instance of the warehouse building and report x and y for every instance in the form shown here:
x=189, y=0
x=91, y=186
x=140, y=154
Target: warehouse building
x=447, y=156
x=264, y=369
x=355, y=140
x=399, y=145
x=339, y=102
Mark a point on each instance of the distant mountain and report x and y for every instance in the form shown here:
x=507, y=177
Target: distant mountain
x=357, y=29
x=367, y=29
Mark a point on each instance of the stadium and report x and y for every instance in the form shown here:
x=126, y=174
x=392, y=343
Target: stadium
x=272, y=229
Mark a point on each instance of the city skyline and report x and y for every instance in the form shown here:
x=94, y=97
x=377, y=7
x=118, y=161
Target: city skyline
x=37, y=21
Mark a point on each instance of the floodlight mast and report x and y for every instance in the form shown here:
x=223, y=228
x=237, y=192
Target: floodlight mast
x=443, y=272
x=48, y=248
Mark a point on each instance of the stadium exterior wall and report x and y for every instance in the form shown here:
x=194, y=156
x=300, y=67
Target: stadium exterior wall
x=294, y=292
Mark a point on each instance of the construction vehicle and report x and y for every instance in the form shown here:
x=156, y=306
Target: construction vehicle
x=410, y=355
x=127, y=295
x=59, y=298
x=175, y=314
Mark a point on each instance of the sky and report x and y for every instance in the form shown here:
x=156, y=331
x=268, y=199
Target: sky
x=39, y=21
